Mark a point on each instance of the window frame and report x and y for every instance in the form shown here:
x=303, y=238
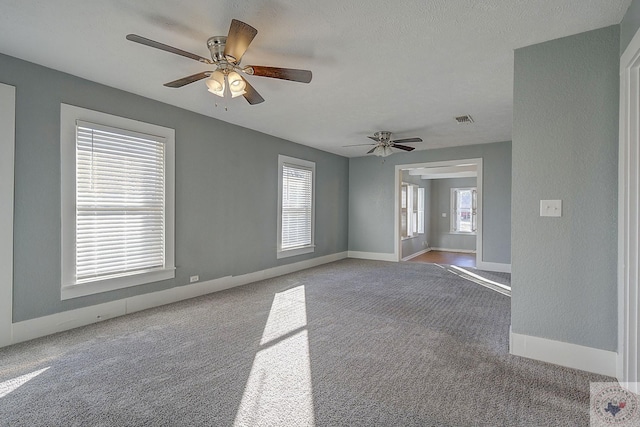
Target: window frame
x=70, y=288
x=421, y=210
x=302, y=164
x=411, y=210
x=453, y=211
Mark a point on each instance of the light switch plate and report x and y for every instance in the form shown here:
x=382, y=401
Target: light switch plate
x=550, y=207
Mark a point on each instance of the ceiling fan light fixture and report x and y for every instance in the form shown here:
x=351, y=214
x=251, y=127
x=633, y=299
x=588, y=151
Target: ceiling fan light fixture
x=236, y=94
x=216, y=83
x=236, y=84
x=382, y=151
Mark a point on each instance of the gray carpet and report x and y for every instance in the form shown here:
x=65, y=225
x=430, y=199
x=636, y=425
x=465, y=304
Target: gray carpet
x=353, y=343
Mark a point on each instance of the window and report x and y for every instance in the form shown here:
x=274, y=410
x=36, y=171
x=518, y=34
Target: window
x=463, y=210
x=296, y=206
x=411, y=210
x=117, y=202
x=420, y=210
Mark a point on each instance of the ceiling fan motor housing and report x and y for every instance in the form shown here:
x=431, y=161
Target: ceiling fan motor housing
x=383, y=136
x=216, y=46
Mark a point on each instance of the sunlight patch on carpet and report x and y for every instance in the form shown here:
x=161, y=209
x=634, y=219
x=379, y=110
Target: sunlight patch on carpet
x=8, y=386
x=473, y=277
x=278, y=391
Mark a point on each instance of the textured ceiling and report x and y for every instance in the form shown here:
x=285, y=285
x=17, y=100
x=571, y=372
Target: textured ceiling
x=408, y=67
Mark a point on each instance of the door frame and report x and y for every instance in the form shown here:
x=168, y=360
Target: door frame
x=397, y=194
x=7, y=152
x=628, y=218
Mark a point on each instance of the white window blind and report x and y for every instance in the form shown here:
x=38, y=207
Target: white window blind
x=297, y=206
x=120, y=202
x=421, y=210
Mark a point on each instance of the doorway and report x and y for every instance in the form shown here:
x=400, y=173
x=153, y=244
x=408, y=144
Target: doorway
x=460, y=225
x=7, y=146
x=628, y=363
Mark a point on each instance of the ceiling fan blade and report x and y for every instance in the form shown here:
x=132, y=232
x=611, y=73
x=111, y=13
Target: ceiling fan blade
x=151, y=43
x=251, y=95
x=190, y=79
x=357, y=145
x=402, y=147
x=374, y=138
x=372, y=150
x=238, y=40
x=406, y=140
x=302, y=76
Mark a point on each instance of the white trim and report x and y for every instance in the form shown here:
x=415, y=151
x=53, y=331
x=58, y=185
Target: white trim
x=89, y=288
x=424, y=251
x=306, y=164
x=628, y=361
x=47, y=325
x=493, y=266
x=574, y=356
x=69, y=115
x=462, y=251
x=375, y=256
x=7, y=151
x=398, y=179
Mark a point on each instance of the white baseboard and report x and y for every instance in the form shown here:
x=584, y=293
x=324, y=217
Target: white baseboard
x=574, y=356
x=493, y=266
x=462, y=251
x=424, y=251
x=47, y=325
x=375, y=256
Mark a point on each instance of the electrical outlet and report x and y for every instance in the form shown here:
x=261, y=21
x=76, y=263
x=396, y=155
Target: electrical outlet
x=194, y=279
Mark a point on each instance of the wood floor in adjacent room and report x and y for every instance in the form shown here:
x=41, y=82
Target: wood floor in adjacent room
x=452, y=258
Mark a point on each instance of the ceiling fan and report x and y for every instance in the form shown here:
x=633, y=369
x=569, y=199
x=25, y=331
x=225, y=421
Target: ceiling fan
x=226, y=54
x=384, y=144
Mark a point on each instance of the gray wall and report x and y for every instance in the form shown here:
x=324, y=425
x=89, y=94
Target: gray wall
x=417, y=243
x=565, y=133
x=629, y=25
x=226, y=189
x=441, y=236
x=371, y=197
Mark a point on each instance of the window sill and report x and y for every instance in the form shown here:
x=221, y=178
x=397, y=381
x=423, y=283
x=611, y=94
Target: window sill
x=89, y=288
x=295, y=251
x=464, y=233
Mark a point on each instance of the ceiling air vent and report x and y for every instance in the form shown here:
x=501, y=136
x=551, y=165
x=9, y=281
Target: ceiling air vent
x=464, y=120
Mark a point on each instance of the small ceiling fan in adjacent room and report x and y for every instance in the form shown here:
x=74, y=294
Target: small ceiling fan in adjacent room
x=384, y=144
x=226, y=54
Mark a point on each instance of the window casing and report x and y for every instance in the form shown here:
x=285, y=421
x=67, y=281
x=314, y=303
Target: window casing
x=411, y=210
x=117, y=196
x=296, y=206
x=420, y=210
x=464, y=210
